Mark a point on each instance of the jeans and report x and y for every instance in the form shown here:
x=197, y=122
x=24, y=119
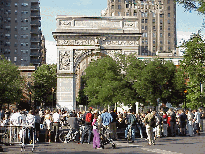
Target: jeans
x=88, y=130
x=133, y=132
x=140, y=129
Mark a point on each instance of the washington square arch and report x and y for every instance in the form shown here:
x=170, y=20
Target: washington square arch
x=80, y=40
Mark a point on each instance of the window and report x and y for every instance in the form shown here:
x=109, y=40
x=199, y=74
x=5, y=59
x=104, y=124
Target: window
x=146, y=20
x=168, y=21
x=127, y=13
x=15, y=51
x=15, y=44
x=24, y=44
x=154, y=48
x=168, y=1
x=15, y=58
x=153, y=14
x=168, y=8
x=142, y=41
x=169, y=35
x=146, y=42
x=154, y=28
x=24, y=36
x=24, y=28
x=9, y=19
x=154, y=42
x=119, y=7
x=119, y=13
x=15, y=20
x=168, y=14
x=26, y=20
x=161, y=42
x=153, y=20
x=169, y=48
x=160, y=48
x=119, y=0
x=9, y=58
x=127, y=5
x=144, y=35
x=9, y=11
x=16, y=12
x=142, y=27
x=142, y=14
x=161, y=35
x=161, y=21
x=168, y=28
x=112, y=0
x=26, y=12
x=135, y=14
x=112, y=6
x=145, y=27
x=24, y=4
x=161, y=28
x=154, y=34
x=161, y=15
x=168, y=41
x=146, y=14
x=142, y=20
x=16, y=4
x=7, y=43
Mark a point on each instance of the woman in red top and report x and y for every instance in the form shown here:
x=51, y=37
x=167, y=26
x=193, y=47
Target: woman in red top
x=165, y=125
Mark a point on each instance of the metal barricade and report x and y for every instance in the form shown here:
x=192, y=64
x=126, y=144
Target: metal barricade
x=22, y=135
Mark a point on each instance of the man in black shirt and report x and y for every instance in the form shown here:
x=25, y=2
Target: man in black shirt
x=113, y=126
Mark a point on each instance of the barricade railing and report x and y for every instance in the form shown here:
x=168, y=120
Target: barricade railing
x=17, y=134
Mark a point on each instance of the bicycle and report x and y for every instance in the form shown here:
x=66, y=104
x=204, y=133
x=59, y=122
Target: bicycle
x=68, y=136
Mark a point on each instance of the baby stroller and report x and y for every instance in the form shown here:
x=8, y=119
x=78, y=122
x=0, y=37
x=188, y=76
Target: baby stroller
x=105, y=137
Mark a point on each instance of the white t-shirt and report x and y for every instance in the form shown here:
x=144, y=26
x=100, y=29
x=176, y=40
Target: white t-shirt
x=197, y=117
x=16, y=119
x=30, y=119
x=56, y=117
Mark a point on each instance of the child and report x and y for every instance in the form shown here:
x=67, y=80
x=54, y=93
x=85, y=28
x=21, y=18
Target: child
x=96, y=138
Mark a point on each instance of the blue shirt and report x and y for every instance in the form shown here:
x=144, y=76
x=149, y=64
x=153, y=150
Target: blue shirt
x=106, y=118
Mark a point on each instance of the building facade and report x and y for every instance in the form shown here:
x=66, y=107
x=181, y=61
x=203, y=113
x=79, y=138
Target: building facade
x=20, y=31
x=157, y=22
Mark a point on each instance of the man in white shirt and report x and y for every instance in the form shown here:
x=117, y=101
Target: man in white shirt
x=197, y=119
x=56, y=124
x=16, y=119
x=30, y=120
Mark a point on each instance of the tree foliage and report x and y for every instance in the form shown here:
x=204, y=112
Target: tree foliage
x=104, y=84
x=194, y=68
x=45, y=78
x=196, y=5
x=10, y=82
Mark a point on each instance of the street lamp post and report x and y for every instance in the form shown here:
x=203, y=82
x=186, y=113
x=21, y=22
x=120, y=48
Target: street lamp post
x=30, y=96
x=53, y=89
x=185, y=91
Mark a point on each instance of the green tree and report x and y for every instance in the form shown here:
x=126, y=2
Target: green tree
x=45, y=78
x=10, y=82
x=158, y=79
x=193, y=66
x=104, y=82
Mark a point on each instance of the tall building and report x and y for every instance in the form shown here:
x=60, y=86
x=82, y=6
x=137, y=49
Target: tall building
x=43, y=50
x=156, y=20
x=20, y=31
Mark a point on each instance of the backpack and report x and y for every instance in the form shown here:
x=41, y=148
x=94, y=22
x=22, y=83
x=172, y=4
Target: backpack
x=152, y=122
x=88, y=118
x=132, y=119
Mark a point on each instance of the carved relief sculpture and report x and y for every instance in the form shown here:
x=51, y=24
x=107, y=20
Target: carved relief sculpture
x=64, y=60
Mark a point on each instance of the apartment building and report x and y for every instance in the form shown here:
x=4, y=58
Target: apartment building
x=156, y=20
x=20, y=31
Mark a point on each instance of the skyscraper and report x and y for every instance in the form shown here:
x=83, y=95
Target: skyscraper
x=20, y=31
x=156, y=20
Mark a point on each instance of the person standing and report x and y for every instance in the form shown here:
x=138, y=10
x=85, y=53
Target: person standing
x=197, y=119
x=201, y=120
x=37, y=125
x=113, y=126
x=56, y=124
x=190, y=118
x=139, y=124
x=182, y=123
x=88, y=118
x=48, y=119
x=172, y=122
x=73, y=122
x=165, y=125
x=106, y=119
x=131, y=121
x=96, y=138
x=150, y=122
x=30, y=120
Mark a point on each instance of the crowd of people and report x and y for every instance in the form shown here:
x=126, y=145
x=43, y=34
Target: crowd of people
x=157, y=124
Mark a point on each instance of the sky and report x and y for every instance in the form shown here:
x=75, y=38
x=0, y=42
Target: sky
x=187, y=22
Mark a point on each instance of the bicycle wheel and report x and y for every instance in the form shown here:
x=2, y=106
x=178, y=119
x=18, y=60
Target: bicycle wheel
x=62, y=136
